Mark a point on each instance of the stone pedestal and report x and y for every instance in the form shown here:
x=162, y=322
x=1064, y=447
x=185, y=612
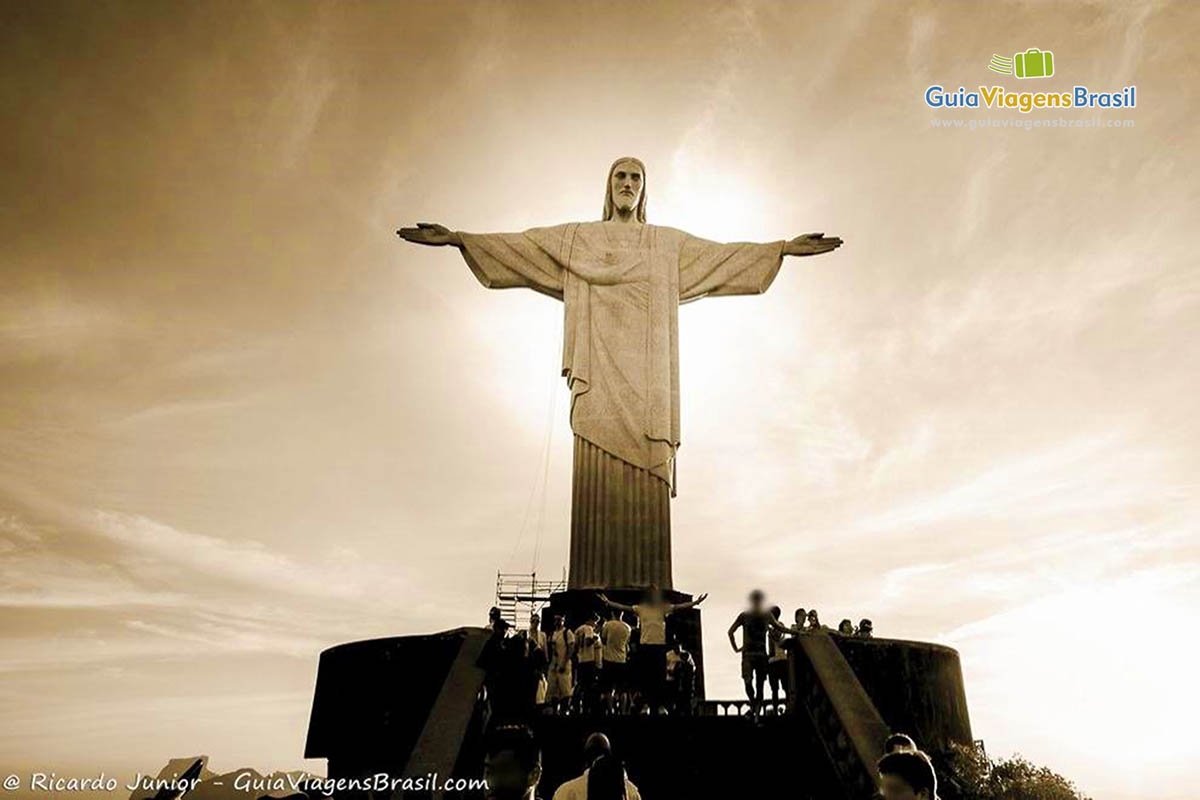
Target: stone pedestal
x=407, y=706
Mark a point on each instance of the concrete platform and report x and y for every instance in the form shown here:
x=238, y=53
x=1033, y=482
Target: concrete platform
x=408, y=706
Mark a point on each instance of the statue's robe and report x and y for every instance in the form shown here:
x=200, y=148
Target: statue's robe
x=621, y=286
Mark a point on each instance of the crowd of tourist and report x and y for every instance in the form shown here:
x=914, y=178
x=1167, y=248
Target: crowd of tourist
x=628, y=659
x=763, y=649
x=513, y=769
x=622, y=661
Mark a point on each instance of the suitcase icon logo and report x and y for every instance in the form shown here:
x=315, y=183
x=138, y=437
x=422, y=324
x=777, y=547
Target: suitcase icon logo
x=1033, y=63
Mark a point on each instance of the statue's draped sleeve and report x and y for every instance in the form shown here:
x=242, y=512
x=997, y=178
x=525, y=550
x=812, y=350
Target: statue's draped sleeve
x=711, y=268
x=534, y=259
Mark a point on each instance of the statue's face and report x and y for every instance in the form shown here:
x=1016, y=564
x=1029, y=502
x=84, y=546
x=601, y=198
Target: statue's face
x=626, y=186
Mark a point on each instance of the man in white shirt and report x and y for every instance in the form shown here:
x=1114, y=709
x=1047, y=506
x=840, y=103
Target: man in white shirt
x=537, y=636
x=588, y=655
x=597, y=745
x=559, y=677
x=614, y=635
x=539, y=657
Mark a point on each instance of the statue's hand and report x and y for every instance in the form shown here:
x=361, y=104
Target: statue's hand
x=429, y=233
x=811, y=244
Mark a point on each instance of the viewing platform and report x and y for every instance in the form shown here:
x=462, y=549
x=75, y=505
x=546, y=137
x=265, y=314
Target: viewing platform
x=409, y=706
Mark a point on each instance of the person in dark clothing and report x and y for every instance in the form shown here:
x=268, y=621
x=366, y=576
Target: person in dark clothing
x=754, y=623
x=777, y=663
x=496, y=622
x=512, y=764
x=681, y=678
x=509, y=681
x=907, y=775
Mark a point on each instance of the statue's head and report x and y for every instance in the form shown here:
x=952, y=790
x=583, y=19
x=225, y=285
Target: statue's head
x=626, y=190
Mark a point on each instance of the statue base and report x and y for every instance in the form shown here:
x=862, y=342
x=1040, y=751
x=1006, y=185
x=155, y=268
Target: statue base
x=409, y=706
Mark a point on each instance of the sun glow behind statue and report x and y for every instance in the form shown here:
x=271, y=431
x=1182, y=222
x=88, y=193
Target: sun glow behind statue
x=709, y=198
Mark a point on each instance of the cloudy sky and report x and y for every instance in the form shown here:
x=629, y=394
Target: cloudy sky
x=240, y=422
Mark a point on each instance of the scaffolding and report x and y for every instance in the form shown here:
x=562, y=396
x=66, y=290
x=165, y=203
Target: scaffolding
x=518, y=595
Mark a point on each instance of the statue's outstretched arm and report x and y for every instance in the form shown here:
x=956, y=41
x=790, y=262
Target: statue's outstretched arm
x=430, y=234
x=533, y=259
x=811, y=244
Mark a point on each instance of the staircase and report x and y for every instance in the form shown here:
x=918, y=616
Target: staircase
x=843, y=716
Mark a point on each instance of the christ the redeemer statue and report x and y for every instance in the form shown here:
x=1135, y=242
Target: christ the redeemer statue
x=621, y=282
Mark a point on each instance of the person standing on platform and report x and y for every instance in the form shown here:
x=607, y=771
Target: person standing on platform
x=538, y=656
x=614, y=636
x=652, y=615
x=537, y=636
x=776, y=657
x=497, y=622
x=559, y=677
x=754, y=623
x=588, y=655
x=681, y=678
x=502, y=658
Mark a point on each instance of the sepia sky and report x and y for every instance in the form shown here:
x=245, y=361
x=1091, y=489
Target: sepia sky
x=241, y=422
